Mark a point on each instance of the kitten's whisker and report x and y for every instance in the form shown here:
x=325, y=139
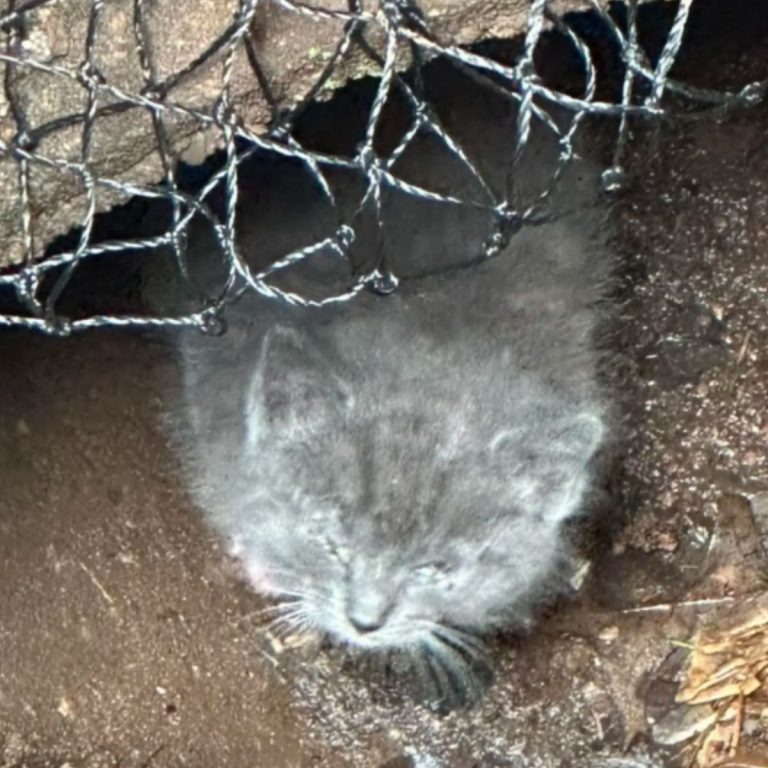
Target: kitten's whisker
x=276, y=608
x=288, y=627
x=458, y=672
x=287, y=615
x=473, y=646
x=441, y=650
x=299, y=593
x=436, y=672
x=295, y=621
x=269, y=613
x=290, y=593
x=444, y=634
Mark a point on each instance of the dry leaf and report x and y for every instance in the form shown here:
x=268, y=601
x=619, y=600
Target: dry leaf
x=728, y=669
x=726, y=690
x=744, y=760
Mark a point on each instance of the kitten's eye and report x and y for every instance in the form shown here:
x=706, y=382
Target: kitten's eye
x=433, y=571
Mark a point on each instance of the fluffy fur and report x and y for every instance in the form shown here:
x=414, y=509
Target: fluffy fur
x=398, y=470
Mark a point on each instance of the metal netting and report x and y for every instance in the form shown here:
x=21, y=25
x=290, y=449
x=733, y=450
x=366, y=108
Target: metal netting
x=396, y=37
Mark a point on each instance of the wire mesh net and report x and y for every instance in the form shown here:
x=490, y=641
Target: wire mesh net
x=396, y=38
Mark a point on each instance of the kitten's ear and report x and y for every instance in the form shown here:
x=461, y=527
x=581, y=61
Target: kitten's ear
x=547, y=470
x=579, y=436
x=296, y=382
x=576, y=438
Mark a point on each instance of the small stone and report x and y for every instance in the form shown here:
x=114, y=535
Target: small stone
x=64, y=708
x=275, y=643
x=609, y=634
x=580, y=574
x=667, y=541
x=22, y=428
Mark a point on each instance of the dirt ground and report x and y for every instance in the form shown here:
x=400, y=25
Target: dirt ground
x=127, y=638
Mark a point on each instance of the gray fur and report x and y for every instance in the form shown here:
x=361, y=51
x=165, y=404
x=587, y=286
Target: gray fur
x=399, y=469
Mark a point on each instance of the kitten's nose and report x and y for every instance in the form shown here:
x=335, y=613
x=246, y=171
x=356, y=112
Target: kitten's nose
x=369, y=602
x=367, y=624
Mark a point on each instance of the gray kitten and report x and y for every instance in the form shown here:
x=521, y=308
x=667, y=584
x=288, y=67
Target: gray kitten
x=398, y=469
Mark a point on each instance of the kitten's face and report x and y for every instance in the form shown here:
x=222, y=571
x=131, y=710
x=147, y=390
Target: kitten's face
x=355, y=583
x=392, y=523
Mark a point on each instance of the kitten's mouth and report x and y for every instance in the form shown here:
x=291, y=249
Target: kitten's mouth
x=451, y=667
x=369, y=637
